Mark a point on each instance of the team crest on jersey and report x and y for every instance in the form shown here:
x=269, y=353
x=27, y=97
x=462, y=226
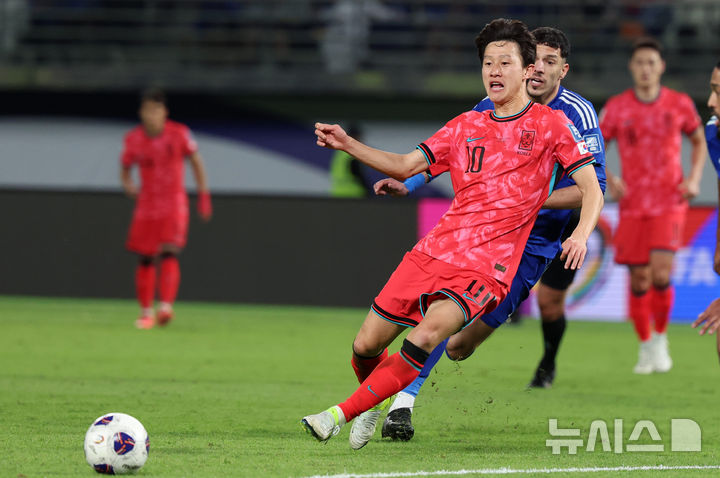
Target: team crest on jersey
x=575, y=133
x=593, y=143
x=527, y=138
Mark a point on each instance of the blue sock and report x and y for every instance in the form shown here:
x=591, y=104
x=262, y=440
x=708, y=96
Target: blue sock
x=435, y=355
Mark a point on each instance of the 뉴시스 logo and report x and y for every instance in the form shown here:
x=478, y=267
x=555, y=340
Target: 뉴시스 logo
x=685, y=435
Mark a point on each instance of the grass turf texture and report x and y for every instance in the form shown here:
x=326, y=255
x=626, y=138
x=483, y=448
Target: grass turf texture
x=223, y=388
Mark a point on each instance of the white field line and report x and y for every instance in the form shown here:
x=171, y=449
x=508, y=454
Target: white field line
x=513, y=471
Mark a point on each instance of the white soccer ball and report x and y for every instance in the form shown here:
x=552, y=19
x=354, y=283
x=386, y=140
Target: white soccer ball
x=116, y=443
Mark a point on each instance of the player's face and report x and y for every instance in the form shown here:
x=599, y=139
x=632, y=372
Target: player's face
x=714, y=100
x=503, y=72
x=646, y=67
x=550, y=69
x=153, y=115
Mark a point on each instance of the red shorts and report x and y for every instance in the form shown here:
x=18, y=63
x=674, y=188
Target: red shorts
x=421, y=279
x=636, y=237
x=149, y=232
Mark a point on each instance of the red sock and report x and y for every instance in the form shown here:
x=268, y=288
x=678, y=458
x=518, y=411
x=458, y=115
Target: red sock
x=662, y=302
x=363, y=366
x=169, y=278
x=145, y=284
x=640, y=314
x=389, y=377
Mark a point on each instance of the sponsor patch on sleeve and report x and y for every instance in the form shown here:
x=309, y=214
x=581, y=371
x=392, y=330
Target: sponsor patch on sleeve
x=575, y=133
x=593, y=143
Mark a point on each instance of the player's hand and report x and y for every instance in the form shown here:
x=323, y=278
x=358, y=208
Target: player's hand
x=689, y=189
x=130, y=191
x=331, y=136
x=711, y=318
x=390, y=187
x=573, y=252
x=616, y=187
x=204, y=206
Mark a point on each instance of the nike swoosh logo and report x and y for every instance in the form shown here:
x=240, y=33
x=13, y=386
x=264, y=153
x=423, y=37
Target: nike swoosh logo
x=474, y=139
x=370, y=389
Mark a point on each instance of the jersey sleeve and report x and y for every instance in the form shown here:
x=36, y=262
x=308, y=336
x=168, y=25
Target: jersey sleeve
x=570, y=149
x=189, y=146
x=596, y=146
x=128, y=157
x=607, y=122
x=713, y=143
x=690, y=117
x=438, y=147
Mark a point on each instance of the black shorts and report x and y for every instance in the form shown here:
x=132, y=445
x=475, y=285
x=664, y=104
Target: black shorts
x=556, y=276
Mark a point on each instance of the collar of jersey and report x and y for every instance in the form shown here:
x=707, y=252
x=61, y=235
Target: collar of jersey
x=511, y=117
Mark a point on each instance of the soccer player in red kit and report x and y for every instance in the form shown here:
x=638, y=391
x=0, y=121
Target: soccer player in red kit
x=159, y=146
x=648, y=121
x=501, y=163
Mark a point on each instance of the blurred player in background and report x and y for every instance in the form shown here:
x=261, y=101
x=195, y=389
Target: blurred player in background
x=648, y=121
x=158, y=232
x=501, y=163
x=543, y=246
x=711, y=316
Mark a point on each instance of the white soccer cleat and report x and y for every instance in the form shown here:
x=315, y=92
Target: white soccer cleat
x=363, y=427
x=661, y=355
x=324, y=425
x=645, y=363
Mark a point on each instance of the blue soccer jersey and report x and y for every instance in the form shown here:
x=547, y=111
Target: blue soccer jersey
x=713, y=143
x=544, y=238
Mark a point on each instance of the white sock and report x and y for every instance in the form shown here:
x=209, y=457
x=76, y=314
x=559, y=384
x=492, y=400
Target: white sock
x=147, y=311
x=403, y=400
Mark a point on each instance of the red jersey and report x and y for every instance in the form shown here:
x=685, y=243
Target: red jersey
x=501, y=172
x=162, y=167
x=649, y=141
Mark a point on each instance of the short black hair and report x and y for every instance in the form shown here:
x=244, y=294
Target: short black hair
x=647, y=42
x=153, y=94
x=718, y=65
x=553, y=38
x=503, y=29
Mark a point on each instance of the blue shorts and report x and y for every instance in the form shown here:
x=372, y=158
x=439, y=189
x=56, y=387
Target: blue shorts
x=529, y=271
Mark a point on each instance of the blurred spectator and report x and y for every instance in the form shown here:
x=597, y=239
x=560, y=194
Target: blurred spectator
x=14, y=17
x=345, y=41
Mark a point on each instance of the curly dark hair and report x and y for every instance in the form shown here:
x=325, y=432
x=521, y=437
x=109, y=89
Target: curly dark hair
x=503, y=29
x=553, y=38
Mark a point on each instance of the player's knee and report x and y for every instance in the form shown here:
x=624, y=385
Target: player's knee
x=364, y=347
x=458, y=350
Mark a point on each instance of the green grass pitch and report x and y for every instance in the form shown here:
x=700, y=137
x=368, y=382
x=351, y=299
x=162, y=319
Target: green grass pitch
x=223, y=388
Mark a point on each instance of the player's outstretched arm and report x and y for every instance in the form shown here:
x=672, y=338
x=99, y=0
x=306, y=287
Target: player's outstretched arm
x=710, y=317
x=390, y=187
x=395, y=188
x=397, y=166
x=127, y=182
x=575, y=246
x=204, y=204
x=564, y=198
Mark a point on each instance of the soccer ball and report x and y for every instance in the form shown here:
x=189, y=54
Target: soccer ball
x=116, y=443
